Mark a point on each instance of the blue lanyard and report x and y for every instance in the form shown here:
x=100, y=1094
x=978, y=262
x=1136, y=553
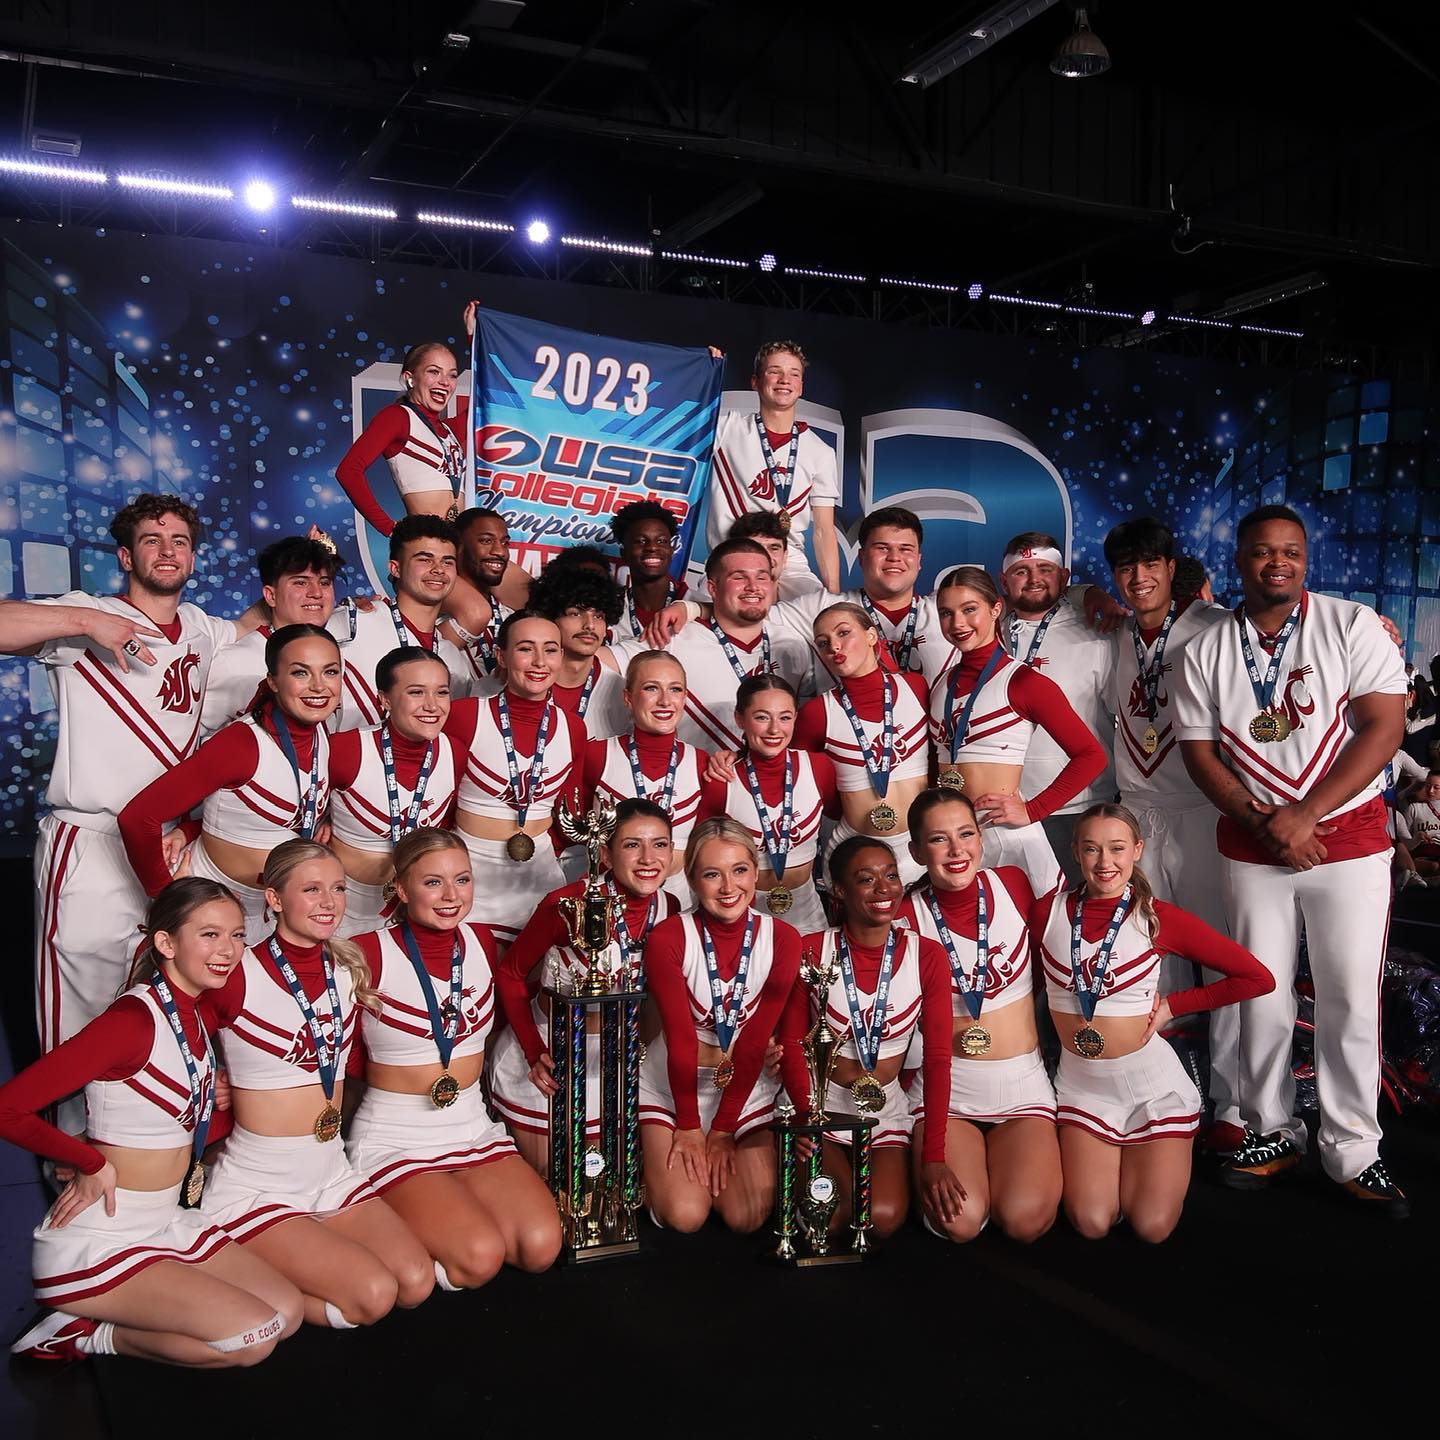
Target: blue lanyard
x=1264, y=686
x=765, y=668
x=775, y=471
x=971, y=987
x=327, y=1057
x=443, y=1026
x=403, y=636
x=203, y=1104
x=907, y=643
x=958, y=729
x=537, y=762
x=1038, y=638
x=867, y=1038
x=1089, y=995
x=776, y=856
x=411, y=821
x=667, y=795
x=879, y=779
x=583, y=704
x=1150, y=676
x=632, y=615
x=632, y=951
x=307, y=796
x=728, y=1020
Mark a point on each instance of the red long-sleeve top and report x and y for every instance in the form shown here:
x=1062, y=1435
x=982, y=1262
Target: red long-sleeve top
x=227, y=758
x=346, y=753
x=114, y=1046
x=664, y=978
x=961, y=908
x=524, y=726
x=386, y=435
x=935, y=1032
x=653, y=752
x=867, y=695
x=436, y=949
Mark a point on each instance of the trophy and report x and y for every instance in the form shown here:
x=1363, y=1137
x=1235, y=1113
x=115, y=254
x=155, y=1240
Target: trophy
x=805, y=1196
x=598, y=1185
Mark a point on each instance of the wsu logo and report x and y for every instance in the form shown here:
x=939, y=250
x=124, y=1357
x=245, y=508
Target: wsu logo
x=762, y=487
x=1137, y=703
x=1296, y=702
x=178, y=689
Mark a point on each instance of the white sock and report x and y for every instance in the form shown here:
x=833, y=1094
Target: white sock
x=443, y=1280
x=102, y=1342
x=335, y=1320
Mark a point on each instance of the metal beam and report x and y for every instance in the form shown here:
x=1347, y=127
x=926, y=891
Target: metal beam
x=560, y=50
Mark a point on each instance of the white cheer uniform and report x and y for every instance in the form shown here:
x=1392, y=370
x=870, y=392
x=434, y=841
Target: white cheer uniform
x=1420, y=828
x=376, y=633
x=928, y=654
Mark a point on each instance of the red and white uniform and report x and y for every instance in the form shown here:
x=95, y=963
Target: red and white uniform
x=542, y=955
x=917, y=1005
x=1420, y=828
x=985, y=1091
x=606, y=712
x=636, y=617
x=709, y=719
x=376, y=635
x=1339, y=651
x=741, y=483
x=265, y=1044
x=236, y=675
x=608, y=772
x=118, y=730
x=424, y=452
x=929, y=654
x=675, y=1091
x=1147, y=1094
x=396, y=1136
x=137, y=1095
x=479, y=652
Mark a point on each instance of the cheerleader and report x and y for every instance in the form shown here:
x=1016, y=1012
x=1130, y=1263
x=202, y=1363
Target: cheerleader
x=261, y=781
x=637, y=859
x=1000, y=1130
x=422, y=1136
x=646, y=533
x=286, y=1021
x=720, y=978
x=650, y=761
x=892, y=985
x=1126, y=1107
x=148, y=1074
x=584, y=606
x=983, y=713
x=874, y=726
x=385, y=783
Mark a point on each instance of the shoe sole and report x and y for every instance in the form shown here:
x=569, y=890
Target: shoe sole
x=1250, y=1180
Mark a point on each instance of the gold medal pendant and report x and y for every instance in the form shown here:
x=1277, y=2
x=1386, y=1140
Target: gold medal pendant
x=883, y=818
x=724, y=1073
x=445, y=1091
x=452, y=514
x=1150, y=740
x=1089, y=1042
x=193, y=1187
x=1282, y=725
x=327, y=1125
x=1265, y=728
x=975, y=1040
x=783, y=516
x=868, y=1094
x=952, y=780
x=779, y=900
x=520, y=846
x=387, y=891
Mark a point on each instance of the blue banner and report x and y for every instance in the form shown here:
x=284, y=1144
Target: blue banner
x=570, y=427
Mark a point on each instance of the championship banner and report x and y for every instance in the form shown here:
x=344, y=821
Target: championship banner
x=570, y=427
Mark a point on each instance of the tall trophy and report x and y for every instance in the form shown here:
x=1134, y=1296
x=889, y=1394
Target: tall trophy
x=805, y=1195
x=598, y=1185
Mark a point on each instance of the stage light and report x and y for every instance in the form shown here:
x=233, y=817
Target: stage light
x=975, y=291
x=920, y=285
x=767, y=262
x=1147, y=318
x=615, y=247
x=824, y=274
x=1274, y=330
x=43, y=170
x=162, y=185
x=1104, y=314
x=467, y=222
x=1025, y=300
x=689, y=259
x=537, y=232
x=343, y=207
x=1082, y=53
x=1198, y=320
x=259, y=195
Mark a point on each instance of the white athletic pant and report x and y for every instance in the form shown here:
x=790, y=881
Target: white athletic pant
x=1345, y=908
x=1182, y=864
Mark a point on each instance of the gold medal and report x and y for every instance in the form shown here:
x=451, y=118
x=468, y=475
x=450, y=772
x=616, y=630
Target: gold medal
x=520, y=846
x=779, y=900
x=387, y=891
x=975, y=1040
x=724, y=1073
x=194, y=1186
x=1150, y=740
x=452, y=514
x=327, y=1125
x=783, y=516
x=952, y=780
x=1089, y=1042
x=868, y=1094
x=445, y=1091
x=1282, y=725
x=1265, y=727
x=883, y=818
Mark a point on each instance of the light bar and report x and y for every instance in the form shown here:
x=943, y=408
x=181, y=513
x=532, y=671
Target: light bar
x=42, y=170
x=466, y=222
x=343, y=207
x=1198, y=320
x=1274, y=330
x=1023, y=300
x=614, y=247
x=920, y=285
x=195, y=189
x=824, y=274
x=1104, y=314
x=685, y=258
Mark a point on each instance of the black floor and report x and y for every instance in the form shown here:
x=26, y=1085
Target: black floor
x=1282, y=1312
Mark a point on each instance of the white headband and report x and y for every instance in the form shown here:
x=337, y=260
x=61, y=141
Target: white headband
x=1045, y=552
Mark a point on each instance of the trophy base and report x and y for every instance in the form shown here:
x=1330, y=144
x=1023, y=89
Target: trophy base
x=583, y=1254
x=840, y=1257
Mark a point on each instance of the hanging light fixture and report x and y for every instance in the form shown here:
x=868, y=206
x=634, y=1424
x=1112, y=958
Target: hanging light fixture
x=1082, y=53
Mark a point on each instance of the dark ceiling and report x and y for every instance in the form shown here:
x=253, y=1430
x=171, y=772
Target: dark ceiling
x=1229, y=148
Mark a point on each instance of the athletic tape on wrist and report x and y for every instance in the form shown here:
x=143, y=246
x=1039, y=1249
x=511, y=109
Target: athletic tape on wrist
x=272, y=1329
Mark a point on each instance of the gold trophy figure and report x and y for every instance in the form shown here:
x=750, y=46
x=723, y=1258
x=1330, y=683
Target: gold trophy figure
x=590, y=917
x=822, y=1044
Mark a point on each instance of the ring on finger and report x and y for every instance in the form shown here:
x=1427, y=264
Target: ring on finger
x=131, y=646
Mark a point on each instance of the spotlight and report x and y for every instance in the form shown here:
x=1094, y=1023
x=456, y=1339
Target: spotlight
x=1148, y=318
x=975, y=291
x=259, y=195
x=537, y=232
x=767, y=262
x=1082, y=53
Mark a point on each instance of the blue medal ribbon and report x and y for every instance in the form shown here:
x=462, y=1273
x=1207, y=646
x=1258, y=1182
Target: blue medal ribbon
x=403, y=637
x=632, y=615
x=959, y=728
x=204, y=1105
x=307, y=795
x=1150, y=675
x=667, y=795
x=867, y=1038
x=1088, y=996
x=449, y=446
x=411, y=820
x=327, y=1056
x=776, y=857
x=537, y=762
x=766, y=666
x=774, y=470
x=1264, y=686
x=879, y=779
x=583, y=704
x=727, y=1020
x=1037, y=639
x=632, y=951
x=907, y=642
x=972, y=986
x=443, y=1028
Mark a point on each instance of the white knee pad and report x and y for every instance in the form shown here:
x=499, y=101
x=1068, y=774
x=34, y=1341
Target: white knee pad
x=272, y=1329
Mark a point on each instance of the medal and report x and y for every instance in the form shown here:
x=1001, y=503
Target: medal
x=1089, y=1042
x=727, y=1017
x=774, y=471
x=952, y=780
x=958, y=728
x=975, y=1040
x=776, y=854
x=1282, y=725
x=445, y=1091
x=724, y=1073
x=388, y=891
x=1150, y=740
x=202, y=1099
x=193, y=1187
x=783, y=516
x=883, y=818
x=327, y=1124
x=520, y=846
x=1271, y=724
x=1265, y=728
x=779, y=900
x=868, y=1094
x=327, y=1053
x=452, y=514
x=444, y=1022
x=1149, y=674
x=971, y=986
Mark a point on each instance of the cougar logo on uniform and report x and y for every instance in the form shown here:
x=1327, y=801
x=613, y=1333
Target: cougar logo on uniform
x=762, y=487
x=1137, y=701
x=1295, y=694
x=178, y=690
x=302, y=1048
